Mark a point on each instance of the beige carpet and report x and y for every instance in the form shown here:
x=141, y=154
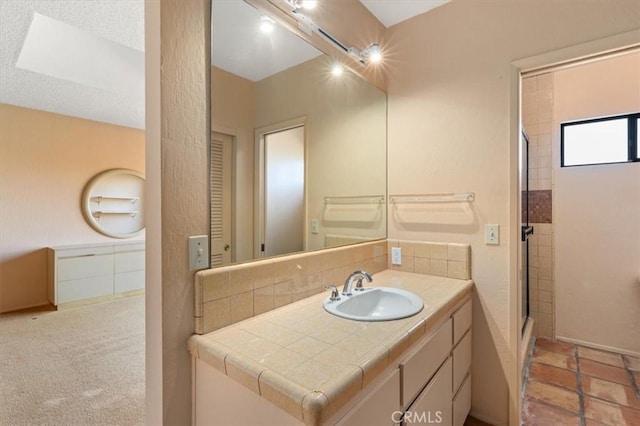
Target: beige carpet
x=82, y=366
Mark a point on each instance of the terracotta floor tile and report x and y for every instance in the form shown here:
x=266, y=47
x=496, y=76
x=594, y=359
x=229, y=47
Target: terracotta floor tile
x=636, y=376
x=609, y=358
x=603, y=371
x=537, y=414
x=553, y=375
x=558, y=347
x=613, y=392
x=589, y=422
x=632, y=362
x=554, y=359
x=553, y=395
x=610, y=414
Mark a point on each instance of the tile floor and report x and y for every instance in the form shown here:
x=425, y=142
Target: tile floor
x=567, y=384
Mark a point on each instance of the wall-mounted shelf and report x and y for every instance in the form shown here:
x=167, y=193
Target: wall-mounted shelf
x=356, y=199
x=98, y=199
x=98, y=214
x=109, y=200
x=465, y=197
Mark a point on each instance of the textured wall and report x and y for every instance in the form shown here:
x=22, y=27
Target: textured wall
x=449, y=131
x=45, y=161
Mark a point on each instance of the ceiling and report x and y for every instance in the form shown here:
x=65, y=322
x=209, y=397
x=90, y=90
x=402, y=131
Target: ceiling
x=85, y=58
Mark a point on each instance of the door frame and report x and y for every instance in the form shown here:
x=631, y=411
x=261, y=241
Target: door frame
x=563, y=57
x=259, y=180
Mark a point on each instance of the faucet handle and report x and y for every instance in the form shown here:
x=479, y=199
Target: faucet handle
x=334, y=292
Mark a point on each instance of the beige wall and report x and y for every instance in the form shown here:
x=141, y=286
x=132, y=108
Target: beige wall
x=345, y=133
x=45, y=161
x=449, y=128
x=233, y=112
x=597, y=215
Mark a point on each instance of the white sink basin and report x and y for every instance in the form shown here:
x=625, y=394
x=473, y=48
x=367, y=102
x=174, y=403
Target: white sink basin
x=375, y=304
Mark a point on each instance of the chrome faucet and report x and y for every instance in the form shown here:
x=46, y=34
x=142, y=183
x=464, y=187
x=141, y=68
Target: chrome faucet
x=348, y=284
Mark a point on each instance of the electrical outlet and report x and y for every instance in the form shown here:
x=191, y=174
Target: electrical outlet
x=492, y=234
x=315, y=226
x=396, y=256
x=198, y=252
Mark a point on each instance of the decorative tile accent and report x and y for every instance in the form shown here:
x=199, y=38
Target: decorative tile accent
x=540, y=206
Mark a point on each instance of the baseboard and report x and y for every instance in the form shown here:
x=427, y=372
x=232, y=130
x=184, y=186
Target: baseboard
x=99, y=299
x=527, y=334
x=38, y=307
x=482, y=418
x=597, y=346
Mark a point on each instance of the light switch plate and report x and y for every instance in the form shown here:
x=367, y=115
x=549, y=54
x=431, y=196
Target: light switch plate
x=315, y=226
x=492, y=234
x=198, y=252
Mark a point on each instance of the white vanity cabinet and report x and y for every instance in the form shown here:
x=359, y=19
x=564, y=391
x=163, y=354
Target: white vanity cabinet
x=83, y=272
x=436, y=374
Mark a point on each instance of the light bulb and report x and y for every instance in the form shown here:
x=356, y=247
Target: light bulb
x=375, y=55
x=336, y=69
x=309, y=4
x=266, y=24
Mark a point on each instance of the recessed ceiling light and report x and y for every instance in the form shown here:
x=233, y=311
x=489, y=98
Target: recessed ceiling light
x=337, y=69
x=309, y=4
x=267, y=24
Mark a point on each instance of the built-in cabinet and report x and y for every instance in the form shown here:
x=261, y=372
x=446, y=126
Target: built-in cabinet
x=431, y=384
x=434, y=381
x=84, y=272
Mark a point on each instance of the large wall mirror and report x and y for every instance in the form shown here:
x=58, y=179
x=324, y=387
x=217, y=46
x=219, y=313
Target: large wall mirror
x=298, y=154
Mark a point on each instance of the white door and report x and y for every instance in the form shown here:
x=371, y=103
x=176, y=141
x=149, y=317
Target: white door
x=283, y=192
x=221, y=187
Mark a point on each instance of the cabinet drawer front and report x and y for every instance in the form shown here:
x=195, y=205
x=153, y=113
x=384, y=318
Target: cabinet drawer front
x=85, y=288
x=74, y=268
x=434, y=403
x=130, y=261
x=418, y=369
x=380, y=407
x=462, y=403
x=461, y=321
x=461, y=361
x=128, y=281
x=137, y=246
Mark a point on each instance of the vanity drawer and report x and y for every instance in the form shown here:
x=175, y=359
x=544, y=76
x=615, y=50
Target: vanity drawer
x=422, y=364
x=461, y=361
x=380, y=407
x=73, y=268
x=434, y=403
x=461, y=321
x=462, y=403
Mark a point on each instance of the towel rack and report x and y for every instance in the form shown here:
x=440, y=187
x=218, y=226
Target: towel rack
x=464, y=197
x=356, y=199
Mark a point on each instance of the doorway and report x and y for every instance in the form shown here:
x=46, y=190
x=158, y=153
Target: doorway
x=281, y=189
x=221, y=193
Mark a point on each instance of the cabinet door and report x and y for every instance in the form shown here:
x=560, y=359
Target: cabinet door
x=461, y=361
x=84, y=288
x=128, y=261
x=380, y=407
x=433, y=405
x=128, y=281
x=421, y=365
x=462, y=403
x=461, y=321
x=74, y=268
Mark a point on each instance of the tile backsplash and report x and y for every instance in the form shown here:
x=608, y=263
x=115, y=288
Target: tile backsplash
x=226, y=295
x=229, y=294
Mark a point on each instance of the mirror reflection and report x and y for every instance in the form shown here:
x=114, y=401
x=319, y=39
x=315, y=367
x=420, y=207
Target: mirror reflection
x=298, y=152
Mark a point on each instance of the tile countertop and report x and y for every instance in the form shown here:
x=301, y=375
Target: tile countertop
x=311, y=363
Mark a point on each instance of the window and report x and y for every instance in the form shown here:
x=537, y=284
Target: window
x=600, y=141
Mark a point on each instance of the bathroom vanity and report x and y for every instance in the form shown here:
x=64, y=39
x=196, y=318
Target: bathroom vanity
x=298, y=364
